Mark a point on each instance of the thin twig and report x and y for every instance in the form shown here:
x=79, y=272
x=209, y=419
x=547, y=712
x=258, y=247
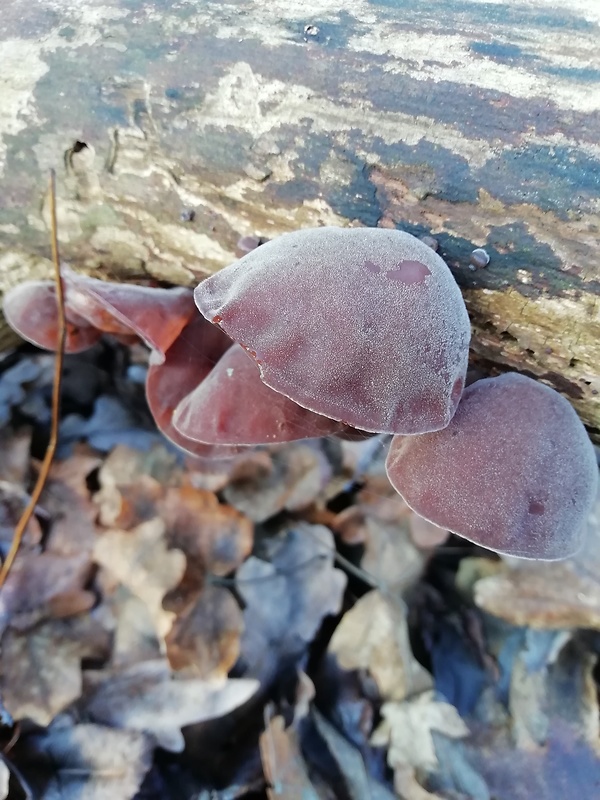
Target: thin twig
x=56, y=387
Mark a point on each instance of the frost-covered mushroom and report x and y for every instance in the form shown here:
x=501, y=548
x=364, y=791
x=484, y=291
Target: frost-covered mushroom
x=514, y=471
x=30, y=309
x=156, y=315
x=232, y=406
x=365, y=326
x=187, y=362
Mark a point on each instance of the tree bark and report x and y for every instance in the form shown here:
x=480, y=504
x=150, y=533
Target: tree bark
x=176, y=128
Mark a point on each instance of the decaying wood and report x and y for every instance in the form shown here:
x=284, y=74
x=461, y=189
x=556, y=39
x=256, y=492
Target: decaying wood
x=176, y=128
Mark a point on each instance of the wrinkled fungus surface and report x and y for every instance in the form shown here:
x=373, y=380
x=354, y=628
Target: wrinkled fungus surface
x=233, y=406
x=514, y=471
x=363, y=325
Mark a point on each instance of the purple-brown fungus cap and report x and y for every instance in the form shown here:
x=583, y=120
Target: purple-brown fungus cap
x=362, y=325
x=514, y=471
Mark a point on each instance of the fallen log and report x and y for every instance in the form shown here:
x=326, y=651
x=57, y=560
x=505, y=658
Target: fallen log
x=178, y=128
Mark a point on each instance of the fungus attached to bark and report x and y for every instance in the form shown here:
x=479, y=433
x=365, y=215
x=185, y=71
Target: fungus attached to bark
x=156, y=315
x=514, y=471
x=232, y=406
x=362, y=325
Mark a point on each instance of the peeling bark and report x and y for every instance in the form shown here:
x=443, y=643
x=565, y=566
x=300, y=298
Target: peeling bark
x=176, y=128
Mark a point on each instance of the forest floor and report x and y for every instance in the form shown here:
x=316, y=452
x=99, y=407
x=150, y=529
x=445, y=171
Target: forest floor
x=276, y=626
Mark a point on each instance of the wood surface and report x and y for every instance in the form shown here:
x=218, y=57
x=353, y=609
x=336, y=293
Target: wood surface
x=178, y=126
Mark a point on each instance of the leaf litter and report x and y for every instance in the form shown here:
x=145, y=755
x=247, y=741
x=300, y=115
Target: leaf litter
x=279, y=626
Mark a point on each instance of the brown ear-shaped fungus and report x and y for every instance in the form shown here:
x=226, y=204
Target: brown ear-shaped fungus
x=514, y=471
x=233, y=406
x=156, y=315
x=362, y=325
x=187, y=362
x=31, y=310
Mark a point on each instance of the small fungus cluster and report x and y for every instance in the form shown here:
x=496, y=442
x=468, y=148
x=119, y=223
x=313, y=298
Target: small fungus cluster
x=333, y=331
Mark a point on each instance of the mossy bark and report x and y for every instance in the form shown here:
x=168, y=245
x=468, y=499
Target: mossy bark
x=176, y=128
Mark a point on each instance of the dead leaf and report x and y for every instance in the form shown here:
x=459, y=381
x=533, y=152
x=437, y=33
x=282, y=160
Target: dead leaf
x=89, y=761
x=205, y=640
x=14, y=455
x=287, y=598
x=41, y=669
x=390, y=556
x=283, y=763
x=299, y=473
x=141, y=561
x=39, y=584
x=373, y=636
x=407, y=732
x=146, y=697
x=358, y=782
x=542, y=595
x=13, y=500
x=214, y=537
x=133, y=630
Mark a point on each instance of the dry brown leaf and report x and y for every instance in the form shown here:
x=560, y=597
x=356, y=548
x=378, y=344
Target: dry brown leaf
x=205, y=640
x=13, y=500
x=286, y=599
x=89, y=761
x=41, y=669
x=131, y=482
x=141, y=561
x=283, y=763
x=146, y=697
x=14, y=455
x=542, y=596
x=390, y=556
x=133, y=630
x=41, y=584
x=214, y=537
x=373, y=636
x=299, y=473
x=74, y=471
x=406, y=730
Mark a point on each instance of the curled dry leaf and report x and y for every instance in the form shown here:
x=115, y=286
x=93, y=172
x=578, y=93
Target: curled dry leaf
x=390, y=556
x=40, y=585
x=147, y=698
x=214, y=537
x=205, y=639
x=373, y=636
x=297, y=475
x=88, y=761
x=407, y=732
x=141, y=561
x=13, y=500
x=287, y=599
x=283, y=764
x=130, y=622
x=41, y=669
